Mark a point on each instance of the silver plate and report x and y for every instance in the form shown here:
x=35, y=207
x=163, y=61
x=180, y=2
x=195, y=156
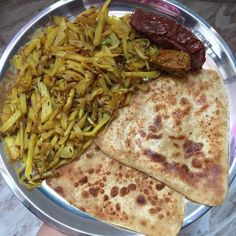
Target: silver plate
x=44, y=202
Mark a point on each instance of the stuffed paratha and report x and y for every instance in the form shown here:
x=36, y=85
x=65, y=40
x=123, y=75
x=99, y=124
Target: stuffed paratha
x=120, y=195
x=176, y=133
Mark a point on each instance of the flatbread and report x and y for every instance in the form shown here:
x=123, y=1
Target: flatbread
x=176, y=133
x=120, y=195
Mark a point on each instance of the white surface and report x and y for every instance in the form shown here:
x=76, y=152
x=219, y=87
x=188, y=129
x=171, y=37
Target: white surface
x=15, y=219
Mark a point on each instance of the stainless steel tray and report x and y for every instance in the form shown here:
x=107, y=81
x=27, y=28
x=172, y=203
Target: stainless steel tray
x=48, y=205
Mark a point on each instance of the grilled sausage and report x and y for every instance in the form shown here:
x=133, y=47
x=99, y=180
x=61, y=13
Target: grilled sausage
x=168, y=33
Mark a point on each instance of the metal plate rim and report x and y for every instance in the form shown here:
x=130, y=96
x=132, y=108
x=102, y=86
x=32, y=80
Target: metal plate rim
x=29, y=204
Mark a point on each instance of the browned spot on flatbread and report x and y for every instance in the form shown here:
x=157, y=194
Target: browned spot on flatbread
x=176, y=154
x=154, y=136
x=89, y=155
x=143, y=222
x=190, y=148
x=204, y=85
x=156, y=157
x=178, y=114
x=114, y=191
x=85, y=194
x=155, y=198
x=105, y=197
x=189, y=84
x=176, y=145
x=94, y=191
x=215, y=171
x=91, y=171
x=142, y=133
x=145, y=191
x=202, y=109
x=184, y=172
x=59, y=190
x=167, y=199
x=138, y=142
x=127, y=141
x=127, y=175
x=154, y=210
x=141, y=200
x=157, y=121
x=197, y=163
x=202, y=99
x=180, y=137
x=132, y=187
x=184, y=101
x=83, y=180
x=118, y=207
x=124, y=191
x=160, y=186
x=159, y=107
x=49, y=181
x=170, y=99
x=152, y=128
x=153, y=202
x=82, y=209
x=120, y=175
x=158, y=209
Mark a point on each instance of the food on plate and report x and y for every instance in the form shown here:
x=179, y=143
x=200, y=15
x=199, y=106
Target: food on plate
x=177, y=133
x=119, y=195
x=70, y=81
x=168, y=33
x=98, y=79
x=172, y=61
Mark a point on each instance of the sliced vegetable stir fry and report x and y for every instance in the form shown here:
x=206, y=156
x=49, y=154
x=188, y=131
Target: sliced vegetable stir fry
x=70, y=81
